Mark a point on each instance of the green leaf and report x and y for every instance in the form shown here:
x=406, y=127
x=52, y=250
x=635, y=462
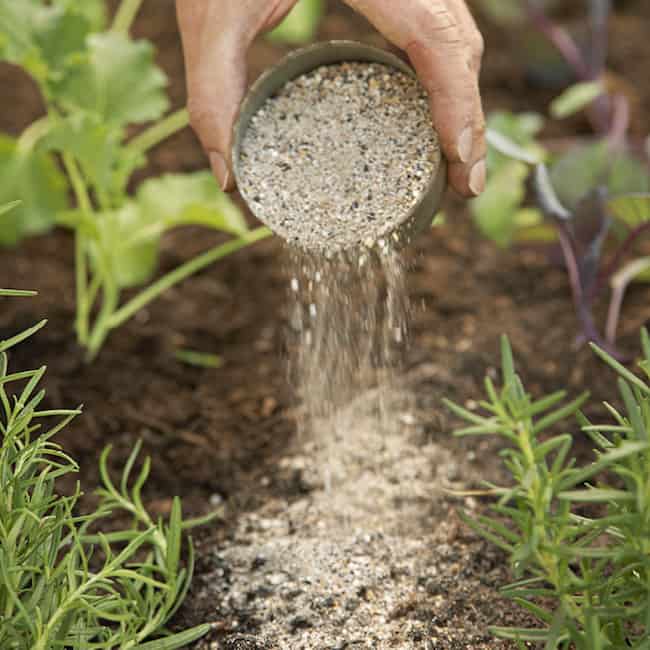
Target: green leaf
x=131, y=259
x=184, y=199
x=199, y=359
x=60, y=34
x=44, y=38
x=484, y=532
x=8, y=207
x=596, y=495
x=606, y=460
x=507, y=361
x=541, y=451
x=495, y=210
x=511, y=149
x=621, y=369
x=635, y=271
x=645, y=343
x=93, y=10
x=522, y=634
x=628, y=175
x=32, y=178
x=632, y=209
x=17, y=293
x=19, y=338
x=94, y=143
x=562, y=413
x=176, y=640
x=116, y=81
x=301, y=24
x=580, y=170
x=513, y=133
x=576, y=98
x=174, y=533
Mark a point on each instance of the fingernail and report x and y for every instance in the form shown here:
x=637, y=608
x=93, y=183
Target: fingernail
x=465, y=144
x=220, y=169
x=477, y=177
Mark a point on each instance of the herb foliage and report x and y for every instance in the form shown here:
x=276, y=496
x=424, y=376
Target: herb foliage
x=583, y=573
x=64, y=583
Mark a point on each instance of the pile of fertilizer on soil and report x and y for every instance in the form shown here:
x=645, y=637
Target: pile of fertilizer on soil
x=340, y=156
x=377, y=562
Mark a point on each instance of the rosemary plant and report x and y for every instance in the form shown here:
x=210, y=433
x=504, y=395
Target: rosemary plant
x=585, y=577
x=64, y=583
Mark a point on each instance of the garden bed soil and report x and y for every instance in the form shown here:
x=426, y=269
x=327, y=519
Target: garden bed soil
x=382, y=560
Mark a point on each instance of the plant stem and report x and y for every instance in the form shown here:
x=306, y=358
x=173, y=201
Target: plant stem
x=81, y=271
x=33, y=133
x=100, y=330
x=620, y=283
x=581, y=301
x=160, y=131
x=620, y=254
x=125, y=15
x=620, y=122
x=185, y=270
x=561, y=39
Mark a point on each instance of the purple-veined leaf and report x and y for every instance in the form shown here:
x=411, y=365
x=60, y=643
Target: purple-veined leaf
x=585, y=167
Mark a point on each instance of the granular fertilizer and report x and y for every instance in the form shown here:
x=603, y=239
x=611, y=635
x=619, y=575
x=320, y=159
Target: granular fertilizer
x=340, y=156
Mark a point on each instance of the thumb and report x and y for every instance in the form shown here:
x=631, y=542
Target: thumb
x=215, y=61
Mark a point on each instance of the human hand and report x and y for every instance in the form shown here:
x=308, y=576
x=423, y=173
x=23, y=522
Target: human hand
x=439, y=37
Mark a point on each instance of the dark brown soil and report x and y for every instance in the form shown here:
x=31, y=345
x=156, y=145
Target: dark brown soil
x=220, y=433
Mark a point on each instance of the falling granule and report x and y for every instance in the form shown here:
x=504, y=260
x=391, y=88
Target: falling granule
x=340, y=156
x=350, y=330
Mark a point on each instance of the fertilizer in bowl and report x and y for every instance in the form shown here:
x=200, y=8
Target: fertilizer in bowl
x=340, y=156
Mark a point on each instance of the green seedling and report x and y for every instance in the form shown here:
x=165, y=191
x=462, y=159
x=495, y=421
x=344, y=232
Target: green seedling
x=583, y=573
x=63, y=582
x=592, y=197
x=97, y=83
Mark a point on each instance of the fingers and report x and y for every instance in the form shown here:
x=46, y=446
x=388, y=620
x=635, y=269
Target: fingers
x=445, y=49
x=216, y=35
x=458, y=174
x=471, y=34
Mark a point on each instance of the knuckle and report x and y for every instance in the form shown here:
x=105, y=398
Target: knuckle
x=434, y=25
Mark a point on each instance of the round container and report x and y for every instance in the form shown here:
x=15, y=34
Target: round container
x=306, y=60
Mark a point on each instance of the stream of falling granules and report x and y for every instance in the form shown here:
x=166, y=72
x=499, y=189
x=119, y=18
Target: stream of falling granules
x=350, y=323
x=339, y=156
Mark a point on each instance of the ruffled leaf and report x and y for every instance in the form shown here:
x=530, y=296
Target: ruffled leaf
x=34, y=179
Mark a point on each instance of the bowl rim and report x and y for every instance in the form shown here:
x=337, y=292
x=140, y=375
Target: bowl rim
x=304, y=60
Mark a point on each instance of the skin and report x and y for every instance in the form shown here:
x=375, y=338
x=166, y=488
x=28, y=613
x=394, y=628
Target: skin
x=439, y=37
